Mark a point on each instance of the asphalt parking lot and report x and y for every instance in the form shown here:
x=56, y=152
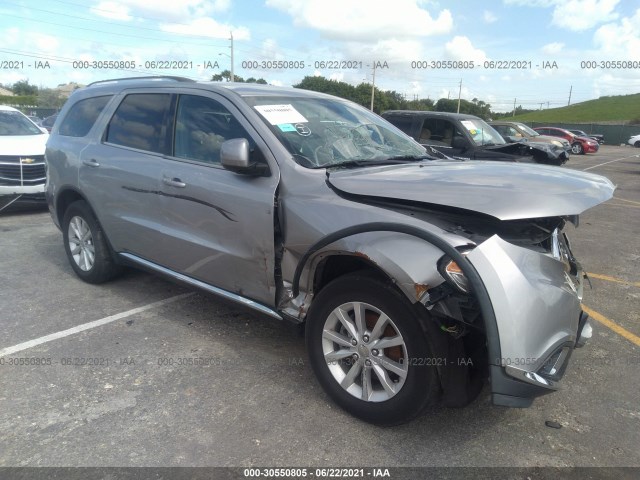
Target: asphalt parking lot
x=195, y=381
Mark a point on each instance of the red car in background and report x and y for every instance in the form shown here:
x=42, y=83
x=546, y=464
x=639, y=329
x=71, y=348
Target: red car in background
x=579, y=145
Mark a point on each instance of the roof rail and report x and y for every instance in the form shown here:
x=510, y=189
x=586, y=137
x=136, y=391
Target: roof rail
x=154, y=77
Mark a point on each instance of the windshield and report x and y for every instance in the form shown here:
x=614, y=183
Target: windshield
x=325, y=132
x=481, y=132
x=15, y=123
x=528, y=130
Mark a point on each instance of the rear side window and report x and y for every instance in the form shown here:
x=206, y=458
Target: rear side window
x=403, y=123
x=82, y=116
x=140, y=122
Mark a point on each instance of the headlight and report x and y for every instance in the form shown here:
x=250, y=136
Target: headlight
x=452, y=272
x=557, y=144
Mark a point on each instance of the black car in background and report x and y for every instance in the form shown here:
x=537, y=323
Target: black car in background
x=469, y=137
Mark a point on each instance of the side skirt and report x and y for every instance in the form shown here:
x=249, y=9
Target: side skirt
x=128, y=257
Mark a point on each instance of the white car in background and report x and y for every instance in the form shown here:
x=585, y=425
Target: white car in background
x=635, y=141
x=22, y=167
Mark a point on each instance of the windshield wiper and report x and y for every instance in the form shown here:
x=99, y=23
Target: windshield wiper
x=397, y=160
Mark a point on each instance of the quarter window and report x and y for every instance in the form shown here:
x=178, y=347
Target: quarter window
x=202, y=124
x=140, y=122
x=82, y=116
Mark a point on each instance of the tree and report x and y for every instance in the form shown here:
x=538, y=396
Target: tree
x=22, y=87
x=48, y=97
x=225, y=76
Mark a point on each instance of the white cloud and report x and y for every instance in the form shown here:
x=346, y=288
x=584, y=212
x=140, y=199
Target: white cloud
x=489, y=17
x=575, y=15
x=619, y=40
x=163, y=10
x=206, y=27
x=365, y=21
x=112, y=10
x=461, y=48
x=580, y=15
x=45, y=43
x=553, y=48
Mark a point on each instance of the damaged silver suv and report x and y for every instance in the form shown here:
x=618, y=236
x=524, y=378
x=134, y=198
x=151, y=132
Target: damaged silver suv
x=417, y=278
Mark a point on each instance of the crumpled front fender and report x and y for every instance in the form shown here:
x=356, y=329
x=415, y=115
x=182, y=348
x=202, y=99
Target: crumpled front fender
x=536, y=305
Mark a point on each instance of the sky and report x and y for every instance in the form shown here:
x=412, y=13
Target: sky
x=535, y=53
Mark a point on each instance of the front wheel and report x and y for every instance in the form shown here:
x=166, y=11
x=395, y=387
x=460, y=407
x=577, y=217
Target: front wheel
x=86, y=245
x=369, y=352
x=637, y=144
x=577, y=148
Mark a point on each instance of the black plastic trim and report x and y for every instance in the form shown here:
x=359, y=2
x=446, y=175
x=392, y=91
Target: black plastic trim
x=477, y=286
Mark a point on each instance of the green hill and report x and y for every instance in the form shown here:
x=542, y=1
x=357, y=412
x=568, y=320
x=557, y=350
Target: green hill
x=617, y=109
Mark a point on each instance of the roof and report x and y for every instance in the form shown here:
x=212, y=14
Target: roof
x=242, y=89
x=8, y=109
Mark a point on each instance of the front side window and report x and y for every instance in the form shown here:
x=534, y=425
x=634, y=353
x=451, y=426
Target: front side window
x=327, y=132
x=82, y=116
x=140, y=122
x=528, y=130
x=202, y=124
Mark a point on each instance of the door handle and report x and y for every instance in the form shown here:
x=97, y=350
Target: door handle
x=174, y=182
x=91, y=163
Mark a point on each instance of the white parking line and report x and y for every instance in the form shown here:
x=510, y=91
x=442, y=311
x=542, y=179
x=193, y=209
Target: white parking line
x=611, y=161
x=86, y=326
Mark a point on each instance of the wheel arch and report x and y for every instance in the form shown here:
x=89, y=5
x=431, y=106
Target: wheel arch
x=65, y=198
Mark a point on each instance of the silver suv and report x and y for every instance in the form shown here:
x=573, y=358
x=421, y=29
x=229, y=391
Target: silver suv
x=417, y=278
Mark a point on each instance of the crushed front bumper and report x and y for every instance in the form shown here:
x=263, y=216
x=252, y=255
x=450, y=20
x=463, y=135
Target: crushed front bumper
x=538, y=315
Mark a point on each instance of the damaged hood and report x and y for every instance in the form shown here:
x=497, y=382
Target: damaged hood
x=507, y=191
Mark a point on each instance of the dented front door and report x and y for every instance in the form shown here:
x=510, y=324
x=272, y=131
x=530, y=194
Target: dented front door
x=218, y=224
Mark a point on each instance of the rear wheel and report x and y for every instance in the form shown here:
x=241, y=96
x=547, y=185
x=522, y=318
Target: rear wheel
x=637, y=144
x=577, y=148
x=369, y=352
x=86, y=245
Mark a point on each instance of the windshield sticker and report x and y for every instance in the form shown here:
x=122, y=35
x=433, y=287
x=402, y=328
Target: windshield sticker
x=286, y=127
x=302, y=129
x=280, y=114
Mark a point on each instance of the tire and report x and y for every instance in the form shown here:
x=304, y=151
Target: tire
x=86, y=245
x=637, y=144
x=577, y=149
x=406, y=365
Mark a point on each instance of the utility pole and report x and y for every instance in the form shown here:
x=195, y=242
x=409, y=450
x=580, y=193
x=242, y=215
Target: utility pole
x=541, y=103
x=373, y=85
x=514, y=107
x=233, y=78
x=570, y=90
x=459, y=93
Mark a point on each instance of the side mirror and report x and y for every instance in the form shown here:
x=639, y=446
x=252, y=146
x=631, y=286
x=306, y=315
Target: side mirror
x=234, y=156
x=459, y=143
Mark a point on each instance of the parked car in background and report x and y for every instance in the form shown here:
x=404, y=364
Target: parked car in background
x=518, y=131
x=469, y=137
x=598, y=137
x=22, y=166
x=48, y=122
x=635, y=141
x=417, y=277
x=34, y=119
x=579, y=145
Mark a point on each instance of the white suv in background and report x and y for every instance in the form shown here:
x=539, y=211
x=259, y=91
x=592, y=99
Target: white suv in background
x=22, y=167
